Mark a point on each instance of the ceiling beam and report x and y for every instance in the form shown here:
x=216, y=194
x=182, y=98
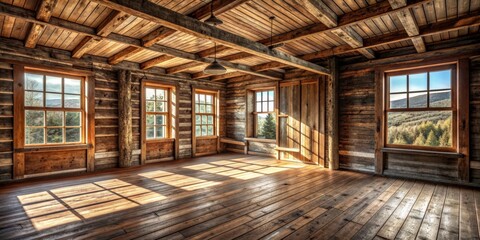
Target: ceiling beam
x=44, y=12
x=219, y=7
x=123, y=54
x=132, y=43
x=107, y=26
x=349, y=36
x=186, y=66
x=171, y=19
x=320, y=11
x=154, y=61
x=405, y=16
x=347, y=20
x=470, y=20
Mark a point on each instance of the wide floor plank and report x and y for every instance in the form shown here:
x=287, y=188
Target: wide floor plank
x=233, y=196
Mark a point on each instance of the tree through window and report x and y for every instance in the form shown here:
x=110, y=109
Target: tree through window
x=421, y=107
x=265, y=123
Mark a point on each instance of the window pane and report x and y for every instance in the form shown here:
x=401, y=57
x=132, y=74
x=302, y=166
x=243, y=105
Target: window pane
x=265, y=96
x=73, y=119
x=160, y=94
x=266, y=126
x=202, y=98
x=150, y=106
x=259, y=107
x=54, y=135
x=271, y=97
x=208, y=99
x=440, y=80
x=150, y=119
x=34, y=135
x=33, y=82
x=264, y=106
x=418, y=82
x=210, y=120
x=160, y=120
x=204, y=130
x=204, y=119
x=398, y=100
x=258, y=96
x=209, y=109
x=210, y=130
x=149, y=94
x=33, y=99
x=53, y=100
x=34, y=118
x=72, y=86
x=202, y=108
x=197, y=108
x=72, y=101
x=54, y=118
x=160, y=132
x=150, y=132
x=198, y=119
x=270, y=106
x=441, y=99
x=160, y=106
x=418, y=100
x=54, y=84
x=198, y=131
x=398, y=83
x=72, y=135
x=424, y=128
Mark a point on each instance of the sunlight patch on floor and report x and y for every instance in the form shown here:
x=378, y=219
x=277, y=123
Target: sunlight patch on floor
x=178, y=180
x=64, y=205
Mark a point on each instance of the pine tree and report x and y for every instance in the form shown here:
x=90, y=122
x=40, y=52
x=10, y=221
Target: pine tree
x=420, y=140
x=432, y=140
x=268, y=128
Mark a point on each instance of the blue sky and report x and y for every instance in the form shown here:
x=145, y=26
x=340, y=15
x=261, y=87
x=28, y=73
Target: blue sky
x=418, y=82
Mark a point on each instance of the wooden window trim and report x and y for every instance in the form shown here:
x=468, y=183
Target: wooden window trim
x=214, y=114
x=172, y=117
x=167, y=114
x=44, y=108
x=453, y=107
x=256, y=112
x=216, y=120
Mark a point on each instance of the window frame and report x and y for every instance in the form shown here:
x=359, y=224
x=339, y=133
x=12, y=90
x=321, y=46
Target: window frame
x=168, y=113
x=256, y=112
x=453, y=107
x=83, y=101
x=214, y=113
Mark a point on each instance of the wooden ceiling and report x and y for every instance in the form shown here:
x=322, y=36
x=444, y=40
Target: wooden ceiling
x=309, y=29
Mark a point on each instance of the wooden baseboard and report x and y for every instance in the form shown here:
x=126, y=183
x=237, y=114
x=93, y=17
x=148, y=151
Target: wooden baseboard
x=160, y=160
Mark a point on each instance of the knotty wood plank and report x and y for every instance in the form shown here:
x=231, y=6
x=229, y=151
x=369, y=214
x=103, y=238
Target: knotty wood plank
x=449, y=222
x=468, y=215
x=431, y=220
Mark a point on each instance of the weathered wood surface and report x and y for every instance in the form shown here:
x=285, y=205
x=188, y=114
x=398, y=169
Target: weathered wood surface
x=6, y=121
x=125, y=135
x=231, y=196
x=475, y=119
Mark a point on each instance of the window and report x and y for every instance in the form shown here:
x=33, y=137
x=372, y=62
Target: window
x=421, y=107
x=157, y=108
x=54, y=110
x=265, y=123
x=204, y=114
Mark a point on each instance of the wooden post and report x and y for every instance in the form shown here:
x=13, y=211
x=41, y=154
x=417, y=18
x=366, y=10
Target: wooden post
x=463, y=105
x=332, y=116
x=19, y=124
x=379, y=122
x=91, y=123
x=125, y=137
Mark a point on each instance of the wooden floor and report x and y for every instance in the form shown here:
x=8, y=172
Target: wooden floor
x=236, y=196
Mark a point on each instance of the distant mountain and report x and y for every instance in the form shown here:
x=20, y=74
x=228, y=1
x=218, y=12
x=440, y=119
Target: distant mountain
x=437, y=99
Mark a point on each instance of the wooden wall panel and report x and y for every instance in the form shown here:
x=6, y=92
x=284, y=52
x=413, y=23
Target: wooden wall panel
x=356, y=120
x=6, y=121
x=206, y=146
x=289, y=105
x=475, y=119
x=44, y=162
x=160, y=151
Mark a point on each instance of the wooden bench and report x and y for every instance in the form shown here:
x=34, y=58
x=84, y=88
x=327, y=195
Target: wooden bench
x=235, y=142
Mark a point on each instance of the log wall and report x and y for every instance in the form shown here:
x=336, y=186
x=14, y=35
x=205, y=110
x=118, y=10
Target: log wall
x=357, y=131
x=106, y=125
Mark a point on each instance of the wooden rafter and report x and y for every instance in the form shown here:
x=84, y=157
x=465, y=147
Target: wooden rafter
x=321, y=11
x=470, y=20
x=349, y=36
x=44, y=12
x=91, y=36
x=408, y=21
x=171, y=19
x=104, y=29
x=347, y=20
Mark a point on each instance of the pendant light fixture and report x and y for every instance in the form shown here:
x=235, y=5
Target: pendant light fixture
x=273, y=46
x=212, y=20
x=215, y=68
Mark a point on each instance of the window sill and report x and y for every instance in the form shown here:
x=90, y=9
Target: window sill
x=53, y=148
x=261, y=140
x=206, y=137
x=160, y=140
x=422, y=152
